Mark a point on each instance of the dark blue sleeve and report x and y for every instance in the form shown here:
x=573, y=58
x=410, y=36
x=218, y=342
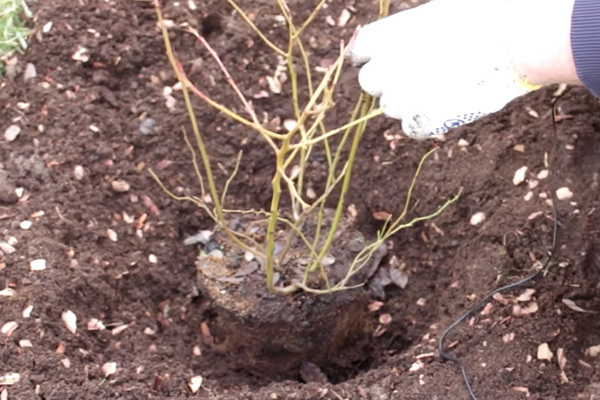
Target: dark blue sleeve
x=585, y=43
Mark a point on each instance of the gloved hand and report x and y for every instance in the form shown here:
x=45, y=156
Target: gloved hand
x=440, y=65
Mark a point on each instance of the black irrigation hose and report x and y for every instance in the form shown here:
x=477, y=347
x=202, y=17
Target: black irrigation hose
x=445, y=356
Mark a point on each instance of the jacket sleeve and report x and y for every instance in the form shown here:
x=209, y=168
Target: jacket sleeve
x=585, y=43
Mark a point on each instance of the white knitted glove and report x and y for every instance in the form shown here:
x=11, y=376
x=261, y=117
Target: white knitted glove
x=439, y=65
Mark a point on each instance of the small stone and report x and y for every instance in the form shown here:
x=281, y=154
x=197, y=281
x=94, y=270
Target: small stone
x=463, y=143
x=593, y=351
x=477, y=218
x=274, y=84
x=112, y=235
x=120, y=186
x=544, y=353
x=47, y=26
x=30, y=72
x=9, y=327
x=202, y=237
x=195, y=384
x=9, y=379
x=70, y=320
x=109, y=369
x=564, y=193
x=344, y=17
x=543, y=174
x=12, y=132
x=289, y=124
x=327, y=261
x=27, y=311
x=509, y=337
x=152, y=259
x=25, y=225
x=7, y=248
x=38, y=265
x=7, y=292
x=78, y=172
x=528, y=196
x=519, y=176
x=385, y=319
x=147, y=125
x=519, y=148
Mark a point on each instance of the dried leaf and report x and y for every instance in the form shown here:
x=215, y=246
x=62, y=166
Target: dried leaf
x=571, y=304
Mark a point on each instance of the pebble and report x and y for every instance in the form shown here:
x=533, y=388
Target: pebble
x=38, y=265
x=7, y=248
x=25, y=225
x=543, y=174
x=78, y=172
x=202, y=237
x=564, y=193
x=30, y=72
x=112, y=235
x=289, y=124
x=477, y=218
x=120, y=186
x=519, y=176
x=544, y=353
x=11, y=133
x=344, y=17
x=147, y=125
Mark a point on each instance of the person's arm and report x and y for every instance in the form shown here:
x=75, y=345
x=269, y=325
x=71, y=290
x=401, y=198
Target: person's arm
x=585, y=43
x=449, y=62
x=539, y=42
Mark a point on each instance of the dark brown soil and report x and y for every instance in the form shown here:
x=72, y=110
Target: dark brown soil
x=89, y=114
